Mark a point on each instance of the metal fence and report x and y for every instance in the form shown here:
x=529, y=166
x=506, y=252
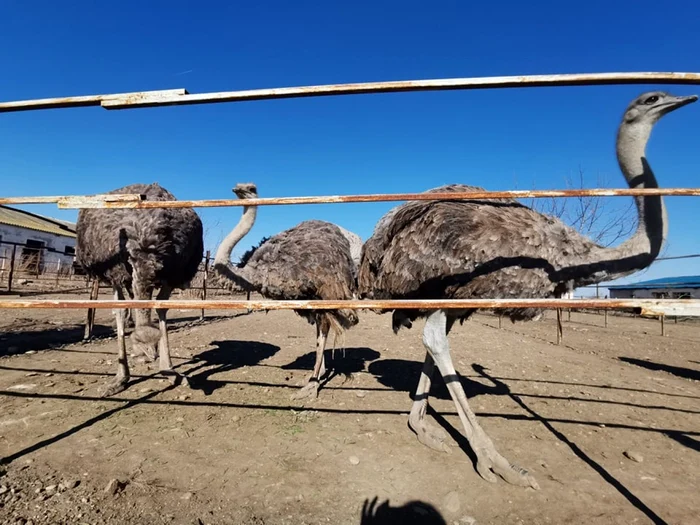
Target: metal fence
x=22, y=264
x=182, y=97
x=24, y=267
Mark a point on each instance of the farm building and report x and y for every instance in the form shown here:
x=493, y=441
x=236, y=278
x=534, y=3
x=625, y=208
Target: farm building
x=39, y=242
x=686, y=287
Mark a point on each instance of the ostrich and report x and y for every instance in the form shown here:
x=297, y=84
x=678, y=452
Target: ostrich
x=312, y=260
x=500, y=249
x=136, y=251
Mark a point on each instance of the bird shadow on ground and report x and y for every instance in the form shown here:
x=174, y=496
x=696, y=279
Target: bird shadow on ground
x=209, y=318
x=403, y=375
x=228, y=355
x=580, y=453
x=412, y=513
x=679, y=371
x=19, y=342
x=30, y=334
x=341, y=361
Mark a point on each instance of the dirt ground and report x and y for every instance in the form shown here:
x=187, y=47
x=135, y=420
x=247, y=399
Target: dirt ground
x=608, y=422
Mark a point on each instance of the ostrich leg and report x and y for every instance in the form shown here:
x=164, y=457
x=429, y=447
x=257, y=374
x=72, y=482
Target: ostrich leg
x=165, y=365
x=311, y=388
x=119, y=382
x=488, y=460
x=129, y=323
x=431, y=436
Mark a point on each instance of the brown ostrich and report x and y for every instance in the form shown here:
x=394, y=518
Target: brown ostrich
x=313, y=260
x=501, y=249
x=137, y=251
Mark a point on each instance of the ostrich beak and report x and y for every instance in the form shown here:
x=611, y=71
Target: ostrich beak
x=679, y=102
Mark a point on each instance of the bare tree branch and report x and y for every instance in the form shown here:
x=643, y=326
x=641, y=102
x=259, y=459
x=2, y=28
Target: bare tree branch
x=595, y=217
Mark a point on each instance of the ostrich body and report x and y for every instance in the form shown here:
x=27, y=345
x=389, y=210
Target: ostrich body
x=312, y=260
x=502, y=249
x=137, y=251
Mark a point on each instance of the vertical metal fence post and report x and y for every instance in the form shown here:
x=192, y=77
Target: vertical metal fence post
x=204, y=282
x=12, y=268
x=560, y=331
x=90, y=324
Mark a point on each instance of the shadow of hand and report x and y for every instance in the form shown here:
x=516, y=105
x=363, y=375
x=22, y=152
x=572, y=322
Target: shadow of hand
x=413, y=512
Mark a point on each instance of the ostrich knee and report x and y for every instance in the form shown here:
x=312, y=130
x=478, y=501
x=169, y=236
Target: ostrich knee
x=434, y=334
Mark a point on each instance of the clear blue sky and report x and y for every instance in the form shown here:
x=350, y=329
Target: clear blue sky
x=499, y=139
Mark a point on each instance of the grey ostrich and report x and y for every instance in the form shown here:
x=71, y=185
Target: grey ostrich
x=312, y=260
x=501, y=249
x=137, y=251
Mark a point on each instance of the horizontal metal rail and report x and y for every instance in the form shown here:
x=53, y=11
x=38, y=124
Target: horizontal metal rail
x=88, y=100
x=181, y=97
x=74, y=199
x=688, y=307
x=136, y=201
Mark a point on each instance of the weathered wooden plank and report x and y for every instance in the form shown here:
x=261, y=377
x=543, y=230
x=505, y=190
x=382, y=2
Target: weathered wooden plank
x=681, y=307
x=86, y=202
x=87, y=100
x=577, y=79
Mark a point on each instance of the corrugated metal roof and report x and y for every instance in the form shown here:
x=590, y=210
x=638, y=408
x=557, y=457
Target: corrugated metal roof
x=686, y=281
x=32, y=221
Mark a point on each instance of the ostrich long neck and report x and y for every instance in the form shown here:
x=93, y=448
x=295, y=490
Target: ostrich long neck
x=646, y=242
x=242, y=277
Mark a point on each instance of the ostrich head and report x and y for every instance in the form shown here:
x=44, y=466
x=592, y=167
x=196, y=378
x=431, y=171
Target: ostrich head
x=649, y=107
x=246, y=190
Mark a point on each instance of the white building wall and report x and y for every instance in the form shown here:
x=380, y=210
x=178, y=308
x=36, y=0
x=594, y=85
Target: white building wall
x=16, y=234
x=670, y=293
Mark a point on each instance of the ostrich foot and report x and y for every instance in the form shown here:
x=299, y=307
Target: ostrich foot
x=489, y=462
x=176, y=378
x=431, y=436
x=308, y=391
x=116, y=385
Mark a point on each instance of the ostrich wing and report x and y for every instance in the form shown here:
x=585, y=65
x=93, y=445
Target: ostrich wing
x=467, y=249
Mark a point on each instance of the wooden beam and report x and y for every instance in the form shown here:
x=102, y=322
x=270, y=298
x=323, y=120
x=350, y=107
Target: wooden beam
x=683, y=307
x=409, y=85
x=88, y=100
x=100, y=202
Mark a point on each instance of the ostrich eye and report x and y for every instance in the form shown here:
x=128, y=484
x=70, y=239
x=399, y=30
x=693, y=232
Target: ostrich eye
x=652, y=99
